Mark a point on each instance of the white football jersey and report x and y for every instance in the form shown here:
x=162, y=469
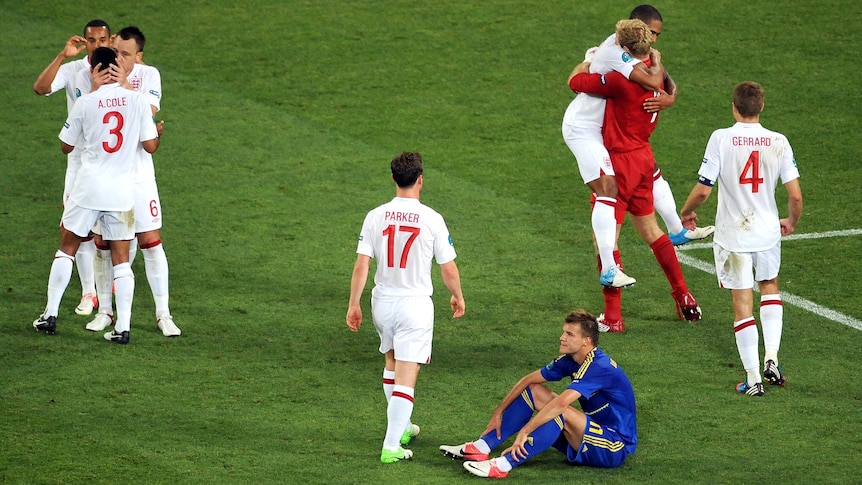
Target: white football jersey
x=67, y=77
x=110, y=125
x=148, y=81
x=404, y=235
x=746, y=161
x=586, y=112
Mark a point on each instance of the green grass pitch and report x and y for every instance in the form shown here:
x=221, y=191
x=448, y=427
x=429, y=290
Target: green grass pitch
x=280, y=120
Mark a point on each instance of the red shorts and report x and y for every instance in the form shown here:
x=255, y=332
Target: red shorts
x=634, y=175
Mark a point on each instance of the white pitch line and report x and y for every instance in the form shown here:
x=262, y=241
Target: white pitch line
x=792, y=237
x=785, y=297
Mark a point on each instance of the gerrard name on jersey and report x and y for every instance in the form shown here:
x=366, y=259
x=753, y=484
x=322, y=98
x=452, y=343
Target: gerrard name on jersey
x=396, y=216
x=112, y=102
x=751, y=141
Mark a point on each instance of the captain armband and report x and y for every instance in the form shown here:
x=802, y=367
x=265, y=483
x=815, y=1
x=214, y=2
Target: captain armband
x=705, y=181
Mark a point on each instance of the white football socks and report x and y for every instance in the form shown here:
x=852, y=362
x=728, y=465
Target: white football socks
x=124, y=289
x=747, y=340
x=605, y=230
x=156, y=265
x=772, y=320
x=665, y=206
x=58, y=280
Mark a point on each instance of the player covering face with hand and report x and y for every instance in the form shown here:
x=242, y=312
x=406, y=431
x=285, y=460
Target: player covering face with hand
x=110, y=124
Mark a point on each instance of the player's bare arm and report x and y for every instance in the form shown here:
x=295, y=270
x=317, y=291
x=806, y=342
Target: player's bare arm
x=357, y=285
x=452, y=280
x=496, y=420
x=649, y=77
x=794, y=207
x=696, y=198
x=666, y=97
x=74, y=46
x=582, y=67
x=554, y=408
x=150, y=146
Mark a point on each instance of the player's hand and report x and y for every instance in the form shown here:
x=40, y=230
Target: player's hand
x=654, y=57
x=689, y=221
x=354, y=317
x=786, y=228
x=495, y=424
x=119, y=72
x=458, y=306
x=100, y=77
x=518, y=451
x=160, y=127
x=74, y=46
x=660, y=102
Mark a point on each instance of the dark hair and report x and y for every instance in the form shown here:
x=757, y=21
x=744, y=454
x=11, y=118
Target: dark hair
x=104, y=56
x=646, y=13
x=132, y=32
x=587, y=322
x=406, y=169
x=748, y=99
x=97, y=24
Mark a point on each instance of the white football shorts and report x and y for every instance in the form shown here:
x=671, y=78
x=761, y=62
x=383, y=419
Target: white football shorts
x=739, y=271
x=114, y=225
x=148, y=207
x=405, y=324
x=591, y=154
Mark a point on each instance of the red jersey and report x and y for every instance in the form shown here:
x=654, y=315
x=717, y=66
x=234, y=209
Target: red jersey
x=626, y=125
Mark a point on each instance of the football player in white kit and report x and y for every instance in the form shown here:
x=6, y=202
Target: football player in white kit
x=110, y=125
x=746, y=161
x=404, y=235
x=129, y=43
x=58, y=75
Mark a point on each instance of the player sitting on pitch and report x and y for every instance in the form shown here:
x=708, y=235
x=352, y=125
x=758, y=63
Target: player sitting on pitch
x=602, y=434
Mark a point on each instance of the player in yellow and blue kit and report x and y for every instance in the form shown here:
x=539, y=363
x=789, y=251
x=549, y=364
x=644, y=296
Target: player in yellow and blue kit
x=603, y=433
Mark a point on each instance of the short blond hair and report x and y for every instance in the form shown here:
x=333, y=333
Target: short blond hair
x=636, y=35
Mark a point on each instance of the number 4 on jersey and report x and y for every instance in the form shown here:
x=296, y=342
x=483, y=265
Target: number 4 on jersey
x=389, y=234
x=751, y=173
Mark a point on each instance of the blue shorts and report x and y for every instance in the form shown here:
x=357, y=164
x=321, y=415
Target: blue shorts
x=602, y=447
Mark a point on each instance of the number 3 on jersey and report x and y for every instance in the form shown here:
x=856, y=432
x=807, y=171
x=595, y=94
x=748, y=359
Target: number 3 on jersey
x=389, y=233
x=115, y=131
x=751, y=173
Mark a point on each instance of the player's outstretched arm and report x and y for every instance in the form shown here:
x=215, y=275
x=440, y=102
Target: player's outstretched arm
x=452, y=280
x=357, y=286
x=699, y=194
x=74, y=46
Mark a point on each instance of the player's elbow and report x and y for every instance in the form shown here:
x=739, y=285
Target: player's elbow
x=150, y=146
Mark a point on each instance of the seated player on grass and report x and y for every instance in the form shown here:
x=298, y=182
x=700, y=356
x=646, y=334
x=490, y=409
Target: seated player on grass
x=603, y=433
